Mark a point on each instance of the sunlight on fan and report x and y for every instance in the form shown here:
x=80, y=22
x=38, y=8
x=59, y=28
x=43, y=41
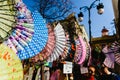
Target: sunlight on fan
x=11, y=66
x=24, y=29
x=48, y=49
x=30, y=33
x=39, y=38
x=60, y=43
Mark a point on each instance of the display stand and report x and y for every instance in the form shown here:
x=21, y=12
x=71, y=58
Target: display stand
x=67, y=77
x=67, y=69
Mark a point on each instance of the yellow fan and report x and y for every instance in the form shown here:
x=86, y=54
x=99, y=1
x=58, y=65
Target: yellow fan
x=11, y=66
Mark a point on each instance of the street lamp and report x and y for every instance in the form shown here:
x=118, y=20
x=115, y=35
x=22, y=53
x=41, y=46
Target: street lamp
x=100, y=9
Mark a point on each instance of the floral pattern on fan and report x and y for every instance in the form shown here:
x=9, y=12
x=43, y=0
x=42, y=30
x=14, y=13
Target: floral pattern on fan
x=24, y=30
x=30, y=34
x=80, y=51
x=39, y=38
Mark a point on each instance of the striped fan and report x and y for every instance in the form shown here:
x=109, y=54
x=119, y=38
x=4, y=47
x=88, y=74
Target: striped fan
x=67, y=47
x=7, y=18
x=24, y=29
x=60, y=43
x=112, y=54
x=117, y=58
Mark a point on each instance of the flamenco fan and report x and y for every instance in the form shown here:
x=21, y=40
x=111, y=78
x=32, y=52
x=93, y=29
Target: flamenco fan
x=59, y=44
x=11, y=66
x=67, y=47
x=80, y=50
x=30, y=33
x=48, y=49
x=7, y=18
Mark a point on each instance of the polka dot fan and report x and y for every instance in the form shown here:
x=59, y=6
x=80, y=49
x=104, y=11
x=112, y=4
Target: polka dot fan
x=49, y=47
x=39, y=38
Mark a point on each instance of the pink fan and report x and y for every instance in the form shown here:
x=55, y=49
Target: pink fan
x=80, y=51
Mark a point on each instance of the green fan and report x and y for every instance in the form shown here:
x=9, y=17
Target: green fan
x=7, y=18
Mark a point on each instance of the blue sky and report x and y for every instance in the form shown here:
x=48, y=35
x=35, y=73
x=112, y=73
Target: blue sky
x=98, y=21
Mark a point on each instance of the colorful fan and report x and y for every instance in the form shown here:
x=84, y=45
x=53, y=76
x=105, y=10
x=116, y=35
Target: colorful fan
x=30, y=34
x=39, y=38
x=7, y=18
x=60, y=43
x=11, y=66
x=80, y=51
x=24, y=29
x=46, y=52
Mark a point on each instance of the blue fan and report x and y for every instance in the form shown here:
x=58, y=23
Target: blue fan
x=39, y=38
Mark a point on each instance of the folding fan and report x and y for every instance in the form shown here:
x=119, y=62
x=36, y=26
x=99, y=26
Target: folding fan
x=60, y=43
x=112, y=54
x=39, y=38
x=7, y=18
x=24, y=29
x=11, y=66
x=67, y=47
x=88, y=54
x=117, y=58
x=80, y=51
x=30, y=33
x=116, y=48
x=46, y=52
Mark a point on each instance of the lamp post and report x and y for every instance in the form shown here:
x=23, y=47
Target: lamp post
x=100, y=9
